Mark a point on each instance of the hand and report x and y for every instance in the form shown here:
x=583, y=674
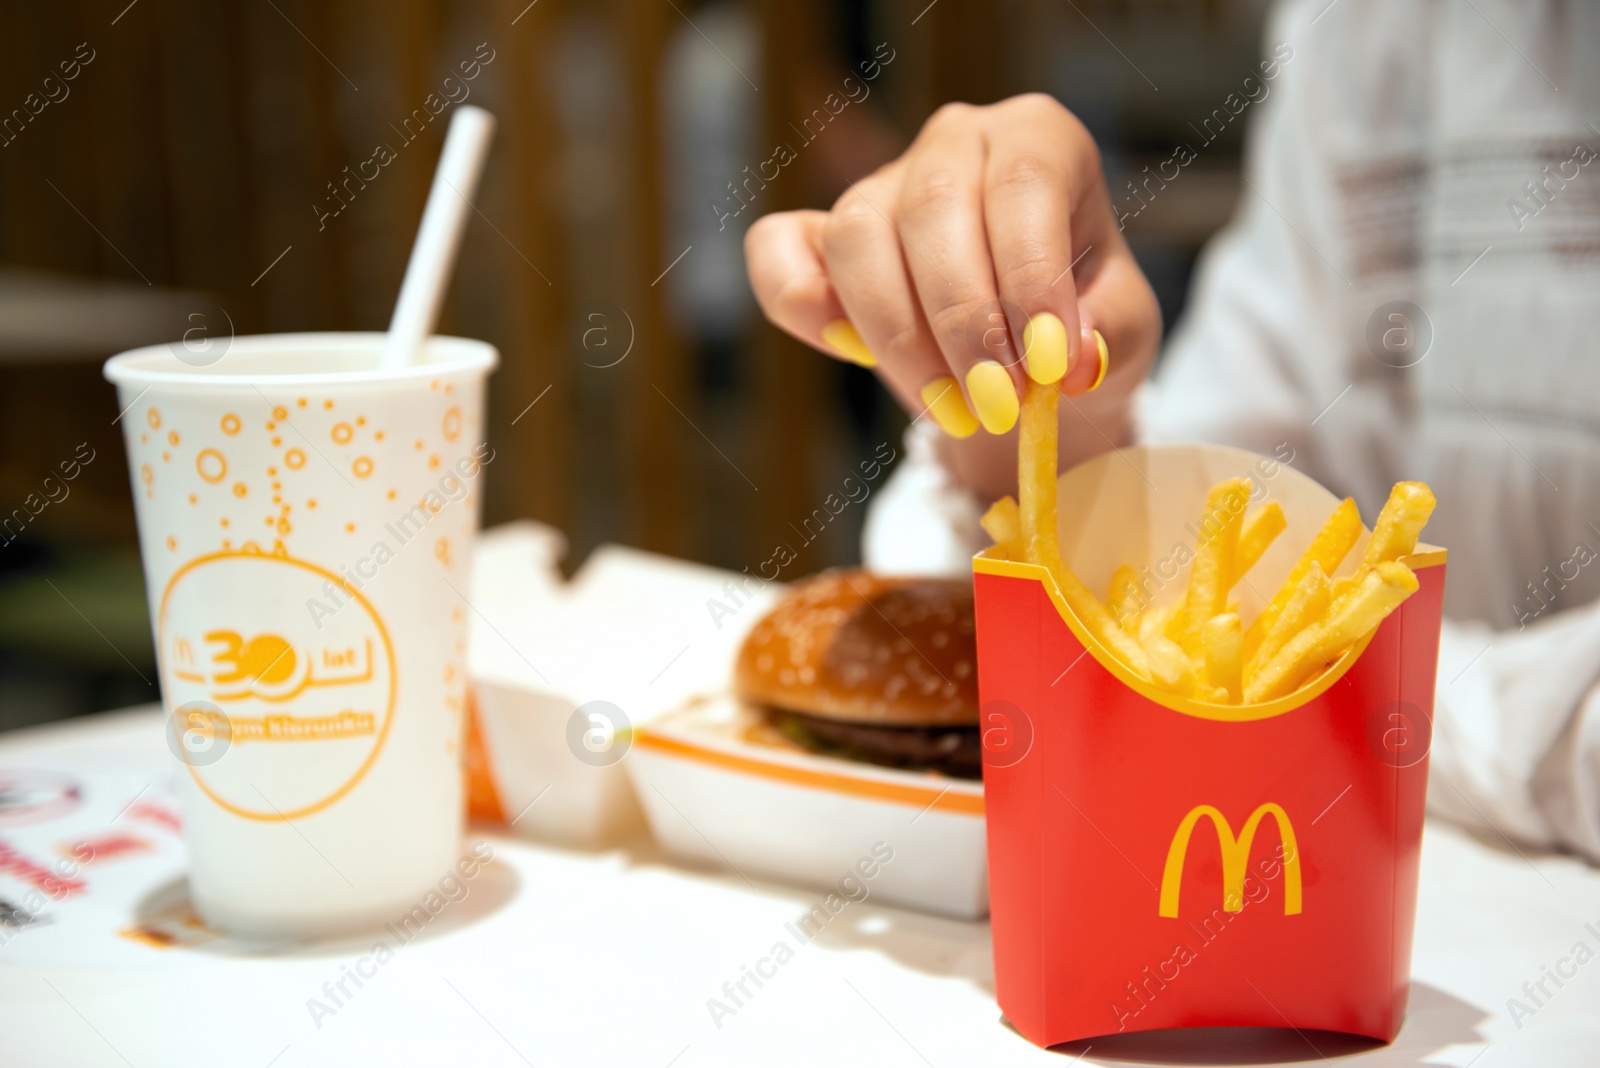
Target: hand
x=986, y=254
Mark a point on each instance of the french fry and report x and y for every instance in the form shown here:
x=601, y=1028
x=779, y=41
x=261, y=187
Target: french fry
x=1212, y=568
x=1036, y=504
x=1123, y=599
x=1087, y=607
x=1003, y=523
x=1221, y=640
x=1036, y=471
x=1169, y=664
x=1404, y=515
x=1261, y=528
x=1328, y=549
x=1172, y=669
x=1380, y=592
x=1311, y=599
x=1154, y=621
x=1198, y=647
x=1395, y=533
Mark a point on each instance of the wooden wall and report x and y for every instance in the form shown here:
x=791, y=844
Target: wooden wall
x=198, y=149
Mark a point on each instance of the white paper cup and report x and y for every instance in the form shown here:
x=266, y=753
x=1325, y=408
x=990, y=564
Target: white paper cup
x=306, y=523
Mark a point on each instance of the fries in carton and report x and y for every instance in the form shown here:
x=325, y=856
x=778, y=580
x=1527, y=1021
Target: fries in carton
x=1180, y=833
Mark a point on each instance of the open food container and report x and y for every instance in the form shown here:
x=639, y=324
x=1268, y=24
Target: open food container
x=1157, y=861
x=563, y=674
x=721, y=787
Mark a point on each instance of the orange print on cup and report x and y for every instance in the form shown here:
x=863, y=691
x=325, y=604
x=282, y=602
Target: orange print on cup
x=211, y=465
x=323, y=682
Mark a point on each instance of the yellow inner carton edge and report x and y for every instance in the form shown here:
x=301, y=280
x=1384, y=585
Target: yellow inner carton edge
x=1425, y=556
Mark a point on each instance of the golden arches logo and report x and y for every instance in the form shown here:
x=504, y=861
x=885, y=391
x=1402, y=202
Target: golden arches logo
x=1235, y=858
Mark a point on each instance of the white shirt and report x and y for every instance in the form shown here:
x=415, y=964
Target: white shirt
x=1389, y=164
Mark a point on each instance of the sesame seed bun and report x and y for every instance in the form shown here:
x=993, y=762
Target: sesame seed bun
x=851, y=646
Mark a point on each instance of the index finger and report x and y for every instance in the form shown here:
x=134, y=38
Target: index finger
x=1038, y=184
x=784, y=254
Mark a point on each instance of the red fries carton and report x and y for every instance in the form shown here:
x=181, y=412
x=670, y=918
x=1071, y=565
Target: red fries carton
x=1159, y=862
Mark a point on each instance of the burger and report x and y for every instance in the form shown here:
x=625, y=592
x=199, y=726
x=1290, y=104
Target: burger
x=871, y=668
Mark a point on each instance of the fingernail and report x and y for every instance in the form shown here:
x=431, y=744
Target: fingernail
x=1105, y=359
x=942, y=397
x=841, y=336
x=994, y=396
x=1044, y=347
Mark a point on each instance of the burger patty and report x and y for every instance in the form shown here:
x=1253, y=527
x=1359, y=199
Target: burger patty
x=951, y=750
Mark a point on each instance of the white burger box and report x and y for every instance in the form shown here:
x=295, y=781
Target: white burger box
x=631, y=629
x=637, y=630
x=721, y=787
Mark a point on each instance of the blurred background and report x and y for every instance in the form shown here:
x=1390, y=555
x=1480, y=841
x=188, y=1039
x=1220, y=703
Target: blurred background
x=218, y=167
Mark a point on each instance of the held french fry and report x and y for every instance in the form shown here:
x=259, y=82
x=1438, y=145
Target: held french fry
x=1123, y=599
x=1212, y=569
x=1036, y=470
x=1380, y=592
x=1404, y=515
x=1221, y=641
x=1310, y=601
x=1328, y=549
x=1261, y=528
x=1036, y=503
x=1003, y=523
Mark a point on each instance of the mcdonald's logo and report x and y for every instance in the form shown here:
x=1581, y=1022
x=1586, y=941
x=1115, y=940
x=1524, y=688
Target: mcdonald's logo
x=1235, y=858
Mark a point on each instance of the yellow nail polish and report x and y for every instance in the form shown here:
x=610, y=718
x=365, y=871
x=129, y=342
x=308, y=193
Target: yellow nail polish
x=841, y=336
x=943, y=400
x=1044, y=348
x=1105, y=359
x=994, y=395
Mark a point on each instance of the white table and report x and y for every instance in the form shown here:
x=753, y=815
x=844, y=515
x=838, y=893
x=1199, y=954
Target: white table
x=558, y=957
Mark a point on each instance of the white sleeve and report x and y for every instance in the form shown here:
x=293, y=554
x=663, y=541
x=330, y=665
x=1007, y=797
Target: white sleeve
x=922, y=522
x=1516, y=735
x=1244, y=365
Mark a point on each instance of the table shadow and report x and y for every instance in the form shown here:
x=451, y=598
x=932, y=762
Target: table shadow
x=165, y=917
x=1434, y=1019
x=963, y=949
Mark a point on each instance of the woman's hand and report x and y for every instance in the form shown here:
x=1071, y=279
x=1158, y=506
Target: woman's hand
x=987, y=254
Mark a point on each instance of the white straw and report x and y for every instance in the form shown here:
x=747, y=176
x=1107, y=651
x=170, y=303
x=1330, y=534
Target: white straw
x=433, y=257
